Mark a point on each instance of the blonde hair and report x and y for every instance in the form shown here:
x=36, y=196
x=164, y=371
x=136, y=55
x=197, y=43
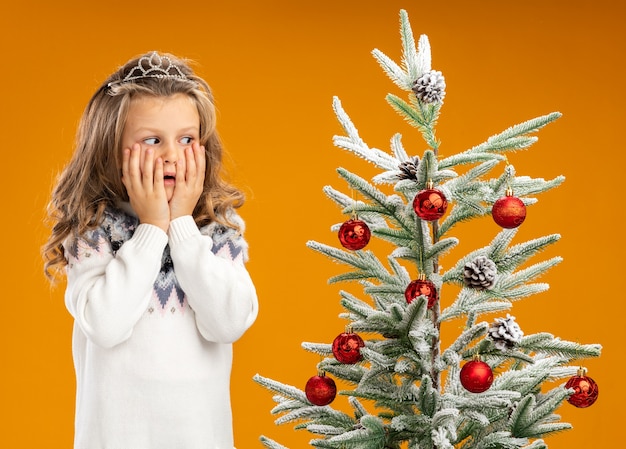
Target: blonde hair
x=91, y=181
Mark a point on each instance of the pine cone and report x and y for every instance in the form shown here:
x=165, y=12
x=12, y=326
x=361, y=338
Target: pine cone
x=408, y=169
x=430, y=87
x=505, y=333
x=480, y=273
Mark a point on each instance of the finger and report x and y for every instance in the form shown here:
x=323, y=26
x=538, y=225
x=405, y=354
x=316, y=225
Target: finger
x=147, y=175
x=191, y=164
x=181, y=168
x=142, y=155
x=126, y=167
x=201, y=162
x=134, y=169
x=158, y=175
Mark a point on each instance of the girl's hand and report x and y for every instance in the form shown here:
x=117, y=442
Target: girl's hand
x=189, y=181
x=142, y=175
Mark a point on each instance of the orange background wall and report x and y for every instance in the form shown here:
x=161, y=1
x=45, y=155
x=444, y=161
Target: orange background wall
x=274, y=66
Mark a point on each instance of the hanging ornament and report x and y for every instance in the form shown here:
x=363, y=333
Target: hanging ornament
x=585, y=389
x=505, y=333
x=509, y=211
x=347, y=347
x=421, y=286
x=476, y=376
x=320, y=390
x=430, y=204
x=354, y=234
x=480, y=273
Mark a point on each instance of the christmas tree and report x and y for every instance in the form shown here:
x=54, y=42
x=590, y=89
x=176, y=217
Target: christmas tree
x=493, y=386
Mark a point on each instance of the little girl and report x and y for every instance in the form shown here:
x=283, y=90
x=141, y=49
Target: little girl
x=145, y=229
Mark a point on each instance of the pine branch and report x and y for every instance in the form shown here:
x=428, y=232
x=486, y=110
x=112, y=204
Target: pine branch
x=271, y=444
x=510, y=281
x=393, y=205
x=320, y=429
x=473, y=303
x=545, y=343
x=506, y=260
x=530, y=420
x=501, y=439
x=428, y=398
x=458, y=184
x=440, y=248
x=359, y=410
x=415, y=63
x=398, y=149
x=350, y=276
x=398, y=270
x=415, y=118
x=497, y=357
x=366, y=189
x=377, y=359
x=398, y=237
x=395, y=73
x=527, y=379
x=371, y=435
x=377, y=322
x=458, y=214
x=537, y=444
x=282, y=389
x=395, y=289
x=450, y=355
x=499, y=245
x=468, y=158
x=417, y=425
x=353, y=142
x=522, y=186
x=489, y=400
x=317, y=414
x=285, y=405
x=524, y=291
x=512, y=144
x=364, y=261
x=519, y=254
x=494, y=143
x=349, y=373
x=348, y=204
x=355, y=305
x=323, y=349
x=415, y=312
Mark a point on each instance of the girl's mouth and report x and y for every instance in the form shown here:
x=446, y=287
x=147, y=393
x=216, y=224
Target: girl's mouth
x=169, y=179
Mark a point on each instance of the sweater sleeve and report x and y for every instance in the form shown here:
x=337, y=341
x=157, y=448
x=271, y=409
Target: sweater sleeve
x=214, y=279
x=108, y=293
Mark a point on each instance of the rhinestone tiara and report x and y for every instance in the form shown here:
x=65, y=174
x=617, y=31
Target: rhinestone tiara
x=153, y=66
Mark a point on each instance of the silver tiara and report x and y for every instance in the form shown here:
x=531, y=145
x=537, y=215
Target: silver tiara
x=153, y=66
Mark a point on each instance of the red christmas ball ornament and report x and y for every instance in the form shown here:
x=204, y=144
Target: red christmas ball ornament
x=585, y=390
x=430, y=204
x=320, y=390
x=476, y=376
x=347, y=347
x=509, y=212
x=354, y=234
x=421, y=286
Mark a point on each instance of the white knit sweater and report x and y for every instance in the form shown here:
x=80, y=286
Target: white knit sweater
x=155, y=315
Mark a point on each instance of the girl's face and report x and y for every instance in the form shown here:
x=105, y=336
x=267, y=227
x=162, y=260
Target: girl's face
x=168, y=125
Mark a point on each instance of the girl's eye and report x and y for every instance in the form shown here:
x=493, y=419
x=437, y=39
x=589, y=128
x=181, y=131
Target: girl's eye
x=186, y=140
x=151, y=140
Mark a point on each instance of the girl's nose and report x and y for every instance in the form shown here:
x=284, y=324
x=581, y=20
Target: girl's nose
x=170, y=154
